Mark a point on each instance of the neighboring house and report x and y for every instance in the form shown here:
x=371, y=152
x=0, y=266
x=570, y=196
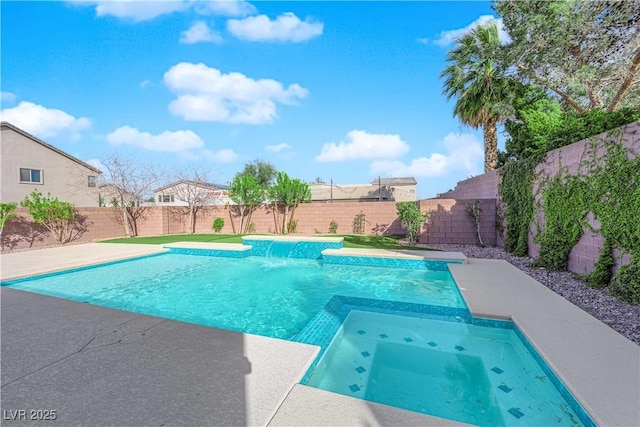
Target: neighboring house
x=110, y=196
x=185, y=192
x=380, y=189
x=28, y=163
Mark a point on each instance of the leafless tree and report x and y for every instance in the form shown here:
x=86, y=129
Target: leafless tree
x=125, y=183
x=194, y=191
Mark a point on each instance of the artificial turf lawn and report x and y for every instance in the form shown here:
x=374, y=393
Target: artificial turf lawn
x=350, y=241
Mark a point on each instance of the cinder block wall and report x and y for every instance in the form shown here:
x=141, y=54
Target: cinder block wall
x=587, y=251
x=450, y=223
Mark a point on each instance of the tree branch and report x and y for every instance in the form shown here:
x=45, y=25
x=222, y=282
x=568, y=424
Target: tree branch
x=624, y=89
x=544, y=83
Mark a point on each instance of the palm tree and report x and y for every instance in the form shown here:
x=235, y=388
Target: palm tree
x=477, y=81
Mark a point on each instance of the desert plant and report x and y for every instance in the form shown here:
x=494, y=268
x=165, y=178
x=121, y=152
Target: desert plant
x=475, y=212
x=333, y=227
x=293, y=224
x=218, y=223
x=251, y=227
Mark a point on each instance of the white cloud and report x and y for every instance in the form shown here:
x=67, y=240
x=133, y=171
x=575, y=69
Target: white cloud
x=286, y=27
x=97, y=164
x=145, y=84
x=166, y=141
x=44, y=122
x=138, y=11
x=200, y=32
x=206, y=94
x=451, y=36
x=7, y=97
x=363, y=145
x=277, y=148
x=464, y=153
x=226, y=8
x=226, y=155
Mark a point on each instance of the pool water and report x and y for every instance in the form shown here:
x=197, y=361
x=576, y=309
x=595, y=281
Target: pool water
x=451, y=369
x=274, y=297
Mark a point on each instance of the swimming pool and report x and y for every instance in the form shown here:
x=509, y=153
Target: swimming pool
x=288, y=298
x=269, y=296
x=438, y=361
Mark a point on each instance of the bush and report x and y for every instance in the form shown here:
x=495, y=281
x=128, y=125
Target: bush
x=293, y=224
x=626, y=284
x=218, y=223
x=56, y=216
x=333, y=227
x=412, y=220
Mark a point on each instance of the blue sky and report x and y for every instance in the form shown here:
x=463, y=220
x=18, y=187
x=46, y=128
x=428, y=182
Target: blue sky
x=347, y=91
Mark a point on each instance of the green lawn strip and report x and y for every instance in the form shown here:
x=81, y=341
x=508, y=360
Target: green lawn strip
x=172, y=238
x=350, y=241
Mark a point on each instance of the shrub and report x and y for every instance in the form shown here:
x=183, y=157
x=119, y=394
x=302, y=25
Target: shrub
x=56, y=216
x=412, y=220
x=251, y=228
x=7, y=213
x=333, y=227
x=293, y=224
x=626, y=284
x=218, y=223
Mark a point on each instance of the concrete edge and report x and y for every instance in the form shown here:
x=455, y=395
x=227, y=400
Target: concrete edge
x=72, y=266
x=398, y=253
x=208, y=245
x=294, y=238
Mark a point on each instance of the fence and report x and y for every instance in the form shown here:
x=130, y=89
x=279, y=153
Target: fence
x=448, y=222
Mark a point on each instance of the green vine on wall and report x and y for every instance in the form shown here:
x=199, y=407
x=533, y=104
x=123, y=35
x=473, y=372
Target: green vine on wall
x=516, y=193
x=565, y=202
x=607, y=185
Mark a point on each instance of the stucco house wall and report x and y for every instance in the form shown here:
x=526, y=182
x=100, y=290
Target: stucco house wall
x=62, y=175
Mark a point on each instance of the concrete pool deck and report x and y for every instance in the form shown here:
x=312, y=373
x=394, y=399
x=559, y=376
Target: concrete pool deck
x=98, y=366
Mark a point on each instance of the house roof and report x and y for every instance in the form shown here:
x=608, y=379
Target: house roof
x=206, y=185
x=7, y=125
x=396, y=181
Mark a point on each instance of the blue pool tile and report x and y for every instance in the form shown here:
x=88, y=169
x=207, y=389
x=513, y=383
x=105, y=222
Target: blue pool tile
x=505, y=388
x=360, y=369
x=365, y=354
x=432, y=344
x=361, y=332
x=497, y=370
x=459, y=347
x=407, y=339
x=384, y=336
x=516, y=412
x=354, y=388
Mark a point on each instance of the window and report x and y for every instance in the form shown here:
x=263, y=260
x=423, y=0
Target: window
x=91, y=181
x=166, y=198
x=31, y=175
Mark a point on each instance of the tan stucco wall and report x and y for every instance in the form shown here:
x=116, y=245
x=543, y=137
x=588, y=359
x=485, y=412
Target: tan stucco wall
x=62, y=177
x=362, y=192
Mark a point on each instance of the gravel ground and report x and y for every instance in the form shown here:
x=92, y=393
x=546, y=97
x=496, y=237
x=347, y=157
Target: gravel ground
x=622, y=317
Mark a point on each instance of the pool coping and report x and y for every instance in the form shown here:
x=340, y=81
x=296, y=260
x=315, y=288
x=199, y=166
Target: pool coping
x=398, y=253
x=292, y=238
x=598, y=365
